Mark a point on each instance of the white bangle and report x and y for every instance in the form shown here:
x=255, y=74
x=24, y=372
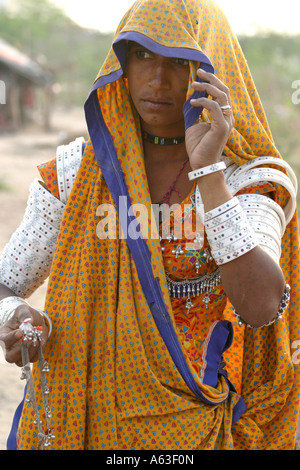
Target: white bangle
x=68, y=159
x=259, y=175
x=266, y=161
x=237, y=253
x=221, y=209
x=223, y=249
x=265, y=216
x=266, y=203
x=265, y=228
x=207, y=170
x=267, y=220
x=8, y=306
x=234, y=215
x=229, y=233
x=233, y=231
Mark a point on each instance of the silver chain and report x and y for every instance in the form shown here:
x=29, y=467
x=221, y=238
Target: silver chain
x=34, y=335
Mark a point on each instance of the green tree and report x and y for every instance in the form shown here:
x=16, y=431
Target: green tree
x=45, y=33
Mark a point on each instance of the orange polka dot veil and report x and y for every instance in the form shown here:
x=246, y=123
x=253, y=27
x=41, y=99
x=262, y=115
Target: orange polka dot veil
x=119, y=377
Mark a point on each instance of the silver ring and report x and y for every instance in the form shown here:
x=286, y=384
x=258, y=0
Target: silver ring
x=227, y=106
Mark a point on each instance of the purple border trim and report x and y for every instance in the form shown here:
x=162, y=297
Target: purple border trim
x=120, y=48
x=220, y=340
x=12, y=438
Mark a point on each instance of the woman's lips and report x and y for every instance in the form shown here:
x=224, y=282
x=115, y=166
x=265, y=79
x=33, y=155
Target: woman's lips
x=155, y=105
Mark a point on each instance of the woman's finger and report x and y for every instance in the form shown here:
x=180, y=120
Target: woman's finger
x=10, y=338
x=218, y=95
x=215, y=111
x=213, y=80
x=11, y=345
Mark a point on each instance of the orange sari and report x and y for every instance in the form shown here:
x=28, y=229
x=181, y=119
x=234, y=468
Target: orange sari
x=124, y=373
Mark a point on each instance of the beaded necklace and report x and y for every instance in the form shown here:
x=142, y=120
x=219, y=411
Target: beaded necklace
x=162, y=140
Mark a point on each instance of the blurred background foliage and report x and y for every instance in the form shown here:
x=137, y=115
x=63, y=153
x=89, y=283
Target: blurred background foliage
x=74, y=54
x=46, y=34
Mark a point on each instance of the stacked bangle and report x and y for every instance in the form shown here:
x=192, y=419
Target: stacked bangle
x=242, y=178
x=229, y=232
x=268, y=221
x=265, y=217
x=26, y=260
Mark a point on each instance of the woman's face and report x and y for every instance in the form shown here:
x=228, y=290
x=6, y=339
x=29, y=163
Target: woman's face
x=158, y=87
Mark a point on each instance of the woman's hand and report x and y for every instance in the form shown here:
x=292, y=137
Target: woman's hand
x=205, y=142
x=11, y=336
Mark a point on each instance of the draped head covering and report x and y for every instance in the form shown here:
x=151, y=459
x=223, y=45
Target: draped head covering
x=119, y=377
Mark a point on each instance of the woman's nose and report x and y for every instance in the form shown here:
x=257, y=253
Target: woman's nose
x=161, y=76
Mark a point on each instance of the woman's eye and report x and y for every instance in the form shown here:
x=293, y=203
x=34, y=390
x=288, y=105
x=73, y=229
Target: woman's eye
x=143, y=54
x=181, y=61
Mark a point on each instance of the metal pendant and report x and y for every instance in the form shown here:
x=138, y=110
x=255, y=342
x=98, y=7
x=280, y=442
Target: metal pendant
x=206, y=300
x=189, y=304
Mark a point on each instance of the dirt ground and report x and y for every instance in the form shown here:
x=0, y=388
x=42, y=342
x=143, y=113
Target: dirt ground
x=19, y=155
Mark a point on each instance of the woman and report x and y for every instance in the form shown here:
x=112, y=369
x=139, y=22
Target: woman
x=145, y=350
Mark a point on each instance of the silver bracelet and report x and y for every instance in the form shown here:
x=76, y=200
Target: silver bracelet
x=283, y=306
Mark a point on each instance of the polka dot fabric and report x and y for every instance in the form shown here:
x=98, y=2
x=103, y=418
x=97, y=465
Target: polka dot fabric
x=113, y=382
